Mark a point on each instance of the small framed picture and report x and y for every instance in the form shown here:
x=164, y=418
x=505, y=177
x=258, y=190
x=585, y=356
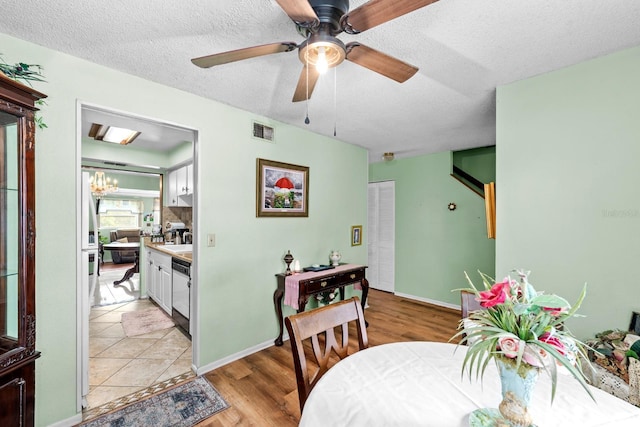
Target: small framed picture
x=356, y=235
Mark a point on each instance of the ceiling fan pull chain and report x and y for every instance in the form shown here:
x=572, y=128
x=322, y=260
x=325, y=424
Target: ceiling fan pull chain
x=335, y=97
x=306, y=119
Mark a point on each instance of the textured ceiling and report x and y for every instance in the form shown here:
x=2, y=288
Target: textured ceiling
x=463, y=48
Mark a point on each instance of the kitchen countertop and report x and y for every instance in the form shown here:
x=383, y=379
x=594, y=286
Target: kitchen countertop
x=185, y=256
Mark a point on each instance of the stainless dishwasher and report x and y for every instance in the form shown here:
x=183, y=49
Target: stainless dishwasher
x=181, y=297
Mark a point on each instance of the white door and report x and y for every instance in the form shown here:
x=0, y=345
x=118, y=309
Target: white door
x=381, y=225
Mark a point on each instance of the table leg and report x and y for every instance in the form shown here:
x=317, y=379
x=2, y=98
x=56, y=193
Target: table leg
x=365, y=292
x=302, y=303
x=130, y=272
x=277, y=302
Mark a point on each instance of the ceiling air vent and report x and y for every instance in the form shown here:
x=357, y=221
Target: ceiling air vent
x=263, y=132
x=107, y=162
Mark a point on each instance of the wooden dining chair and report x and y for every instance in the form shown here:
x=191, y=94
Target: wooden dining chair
x=319, y=325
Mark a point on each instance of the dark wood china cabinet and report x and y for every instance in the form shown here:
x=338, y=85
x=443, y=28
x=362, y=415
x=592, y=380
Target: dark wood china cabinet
x=17, y=253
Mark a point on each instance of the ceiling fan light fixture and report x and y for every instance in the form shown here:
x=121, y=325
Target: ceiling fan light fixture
x=320, y=49
x=321, y=64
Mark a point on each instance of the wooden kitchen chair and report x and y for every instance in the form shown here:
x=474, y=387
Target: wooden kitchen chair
x=322, y=321
x=468, y=303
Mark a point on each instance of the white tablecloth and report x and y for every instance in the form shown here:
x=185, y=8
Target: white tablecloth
x=420, y=384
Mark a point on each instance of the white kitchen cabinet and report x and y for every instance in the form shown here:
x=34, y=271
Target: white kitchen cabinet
x=158, y=277
x=180, y=186
x=149, y=283
x=185, y=180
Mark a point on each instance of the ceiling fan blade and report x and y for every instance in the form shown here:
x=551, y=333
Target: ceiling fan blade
x=246, y=53
x=376, y=12
x=303, y=93
x=300, y=12
x=380, y=62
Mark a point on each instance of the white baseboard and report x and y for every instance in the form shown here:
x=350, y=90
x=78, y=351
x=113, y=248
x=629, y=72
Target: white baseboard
x=232, y=358
x=72, y=421
x=429, y=301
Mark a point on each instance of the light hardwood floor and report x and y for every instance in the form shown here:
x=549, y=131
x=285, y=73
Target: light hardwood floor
x=261, y=388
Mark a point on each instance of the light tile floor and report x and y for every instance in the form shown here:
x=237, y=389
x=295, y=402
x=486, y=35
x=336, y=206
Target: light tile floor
x=121, y=365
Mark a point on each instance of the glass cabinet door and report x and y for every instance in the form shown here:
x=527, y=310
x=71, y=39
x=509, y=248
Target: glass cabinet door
x=9, y=230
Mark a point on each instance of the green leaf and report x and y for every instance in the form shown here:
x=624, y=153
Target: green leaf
x=550, y=301
x=520, y=309
x=604, y=350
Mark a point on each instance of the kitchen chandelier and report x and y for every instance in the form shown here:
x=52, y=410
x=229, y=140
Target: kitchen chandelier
x=101, y=185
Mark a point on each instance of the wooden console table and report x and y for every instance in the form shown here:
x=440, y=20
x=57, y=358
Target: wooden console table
x=313, y=283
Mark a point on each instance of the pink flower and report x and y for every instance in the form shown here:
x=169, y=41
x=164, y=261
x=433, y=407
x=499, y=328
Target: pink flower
x=553, y=341
x=555, y=312
x=535, y=356
x=509, y=346
x=494, y=296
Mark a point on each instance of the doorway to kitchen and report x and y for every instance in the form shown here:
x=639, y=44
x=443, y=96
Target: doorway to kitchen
x=114, y=365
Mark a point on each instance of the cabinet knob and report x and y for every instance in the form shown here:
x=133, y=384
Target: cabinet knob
x=323, y=284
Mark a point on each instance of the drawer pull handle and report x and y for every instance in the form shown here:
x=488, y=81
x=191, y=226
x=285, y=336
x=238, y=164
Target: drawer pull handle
x=323, y=284
x=353, y=276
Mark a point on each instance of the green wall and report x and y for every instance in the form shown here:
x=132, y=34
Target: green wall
x=236, y=277
x=568, y=206
x=435, y=246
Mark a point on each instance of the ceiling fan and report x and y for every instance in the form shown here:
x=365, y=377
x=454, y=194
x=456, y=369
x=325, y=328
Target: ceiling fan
x=320, y=21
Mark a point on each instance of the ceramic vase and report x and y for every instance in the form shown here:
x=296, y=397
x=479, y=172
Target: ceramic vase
x=335, y=257
x=517, y=388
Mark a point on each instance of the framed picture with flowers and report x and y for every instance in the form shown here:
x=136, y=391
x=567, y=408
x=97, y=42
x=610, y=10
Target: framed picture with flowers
x=282, y=189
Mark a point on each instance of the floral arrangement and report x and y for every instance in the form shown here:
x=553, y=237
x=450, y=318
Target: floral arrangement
x=524, y=327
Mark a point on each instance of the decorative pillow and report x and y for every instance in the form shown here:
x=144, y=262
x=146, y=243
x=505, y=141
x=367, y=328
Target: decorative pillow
x=123, y=240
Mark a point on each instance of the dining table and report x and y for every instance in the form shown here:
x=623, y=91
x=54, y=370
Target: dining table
x=129, y=246
x=421, y=383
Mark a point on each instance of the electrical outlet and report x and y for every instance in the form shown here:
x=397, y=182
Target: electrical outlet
x=211, y=239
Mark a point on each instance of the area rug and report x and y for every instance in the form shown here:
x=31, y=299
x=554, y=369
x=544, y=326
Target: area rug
x=145, y=321
x=182, y=406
